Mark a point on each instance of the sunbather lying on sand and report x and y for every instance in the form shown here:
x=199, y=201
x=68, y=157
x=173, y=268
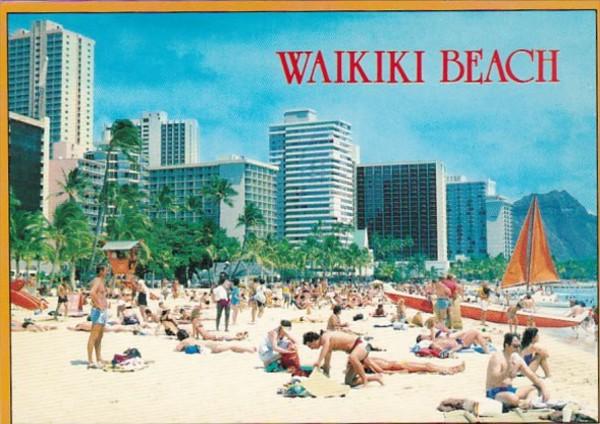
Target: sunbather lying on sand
x=380, y=365
x=459, y=340
x=28, y=325
x=213, y=346
x=114, y=328
x=207, y=335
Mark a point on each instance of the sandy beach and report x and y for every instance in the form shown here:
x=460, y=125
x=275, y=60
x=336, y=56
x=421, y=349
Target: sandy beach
x=51, y=384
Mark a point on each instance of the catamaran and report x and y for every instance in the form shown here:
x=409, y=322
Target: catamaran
x=530, y=263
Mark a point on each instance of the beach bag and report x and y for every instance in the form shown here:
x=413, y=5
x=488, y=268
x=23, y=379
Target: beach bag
x=132, y=352
x=417, y=320
x=117, y=359
x=130, y=321
x=358, y=317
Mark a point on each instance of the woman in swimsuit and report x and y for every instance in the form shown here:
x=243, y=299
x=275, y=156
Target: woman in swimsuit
x=533, y=354
x=385, y=366
x=168, y=323
x=28, y=325
x=62, y=299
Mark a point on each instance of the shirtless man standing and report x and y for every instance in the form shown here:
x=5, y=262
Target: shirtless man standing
x=442, y=302
x=354, y=346
x=98, y=316
x=503, y=367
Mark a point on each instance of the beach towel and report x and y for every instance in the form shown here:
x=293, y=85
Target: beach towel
x=319, y=385
x=429, y=352
x=274, y=366
x=477, y=348
x=514, y=416
x=129, y=365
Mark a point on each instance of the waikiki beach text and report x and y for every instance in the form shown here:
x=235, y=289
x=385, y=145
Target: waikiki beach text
x=521, y=66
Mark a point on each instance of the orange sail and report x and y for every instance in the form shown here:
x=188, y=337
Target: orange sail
x=531, y=261
x=517, y=269
x=542, y=267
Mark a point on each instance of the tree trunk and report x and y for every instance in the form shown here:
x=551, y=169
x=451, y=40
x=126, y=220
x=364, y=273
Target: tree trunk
x=72, y=276
x=17, y=265
x=101, y=210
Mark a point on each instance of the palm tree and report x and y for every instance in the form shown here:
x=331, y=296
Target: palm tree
x=75, y=185
x=219, y=190
x=27, y=232
x=195, y=205
x=165, y=202
x=250, y=219
x=126, y=140
x=70, y=236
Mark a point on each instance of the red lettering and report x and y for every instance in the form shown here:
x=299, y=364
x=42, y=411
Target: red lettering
x=508, y=66
x=473, y=57
x=446, y=59
x=554, y=63
x=396, y=66
x=379, y=65
x=294, y=73
x=355, y=66
x=339, y=56
x=419, y=68
x=319, y=63
x=496, y=62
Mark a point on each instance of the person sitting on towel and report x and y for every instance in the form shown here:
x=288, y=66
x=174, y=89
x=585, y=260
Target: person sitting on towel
x=379, y=311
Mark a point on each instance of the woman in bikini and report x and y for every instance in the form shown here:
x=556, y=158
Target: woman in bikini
x=385, y=366
x=533, y=354
x=28, y=325
x=168, y=324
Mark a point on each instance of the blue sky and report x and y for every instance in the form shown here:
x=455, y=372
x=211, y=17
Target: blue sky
x=221, y=69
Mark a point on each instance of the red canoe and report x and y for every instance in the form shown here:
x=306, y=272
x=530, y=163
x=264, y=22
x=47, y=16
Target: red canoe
x=495, y=313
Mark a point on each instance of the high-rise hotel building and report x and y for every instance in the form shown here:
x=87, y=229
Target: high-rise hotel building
x=253, y=181
x=51, y=73
x=466, y=215
x=28, y=155
x=479, y=221
x=405, y=200
x=315, y=184
x=499, y=218
x=166, y=142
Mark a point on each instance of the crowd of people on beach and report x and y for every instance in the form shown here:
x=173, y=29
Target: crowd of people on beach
x=442, y=335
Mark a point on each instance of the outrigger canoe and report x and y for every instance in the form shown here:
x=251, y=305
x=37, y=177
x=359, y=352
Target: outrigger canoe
x=495, y=313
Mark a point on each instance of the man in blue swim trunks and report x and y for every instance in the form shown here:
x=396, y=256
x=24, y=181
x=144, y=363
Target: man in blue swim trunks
x=442, y=303
x=503, y=367
x=98, y=316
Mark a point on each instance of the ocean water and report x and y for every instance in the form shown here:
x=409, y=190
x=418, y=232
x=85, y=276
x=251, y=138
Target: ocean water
x=589, y=295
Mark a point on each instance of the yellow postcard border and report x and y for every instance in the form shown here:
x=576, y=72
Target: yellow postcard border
x=204, y=6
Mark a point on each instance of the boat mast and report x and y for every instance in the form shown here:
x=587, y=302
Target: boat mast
x=530, y=242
